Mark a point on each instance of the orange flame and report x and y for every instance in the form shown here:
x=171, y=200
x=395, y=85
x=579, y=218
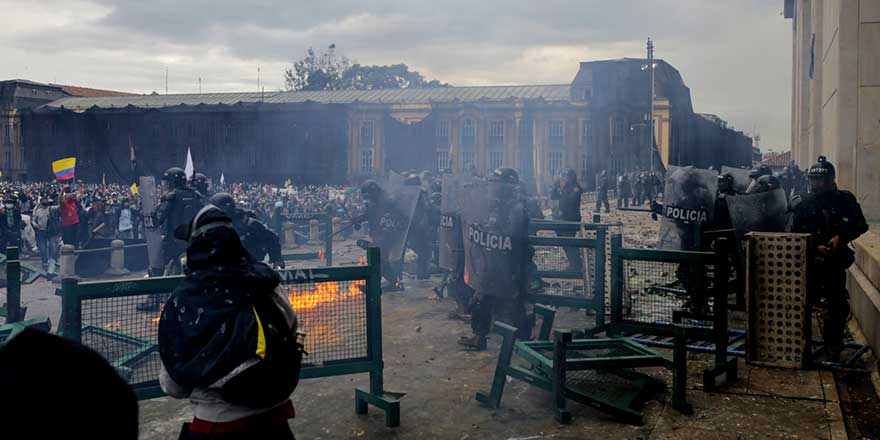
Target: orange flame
x=316, y=318
x=156, y=320
x=114, y=324
x=362, y=261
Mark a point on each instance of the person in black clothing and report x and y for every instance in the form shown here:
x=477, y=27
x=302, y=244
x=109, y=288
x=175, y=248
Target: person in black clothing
x=433, y=216
x=200, y=184
x=834, y=219
x=568, y=192
x=419, y=237
x=10, y=223
x=602, y=191
x=178, y=206
x=255, y=236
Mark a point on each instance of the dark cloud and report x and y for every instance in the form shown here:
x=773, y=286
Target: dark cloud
x=735, y=55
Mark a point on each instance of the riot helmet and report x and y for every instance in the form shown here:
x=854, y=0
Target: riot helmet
x=761, y=170
x=223, y=201
x=200, y=182
x=175, y=178
x=725, y=183
x=370, y=189
x=506, y=175
x=822, y=175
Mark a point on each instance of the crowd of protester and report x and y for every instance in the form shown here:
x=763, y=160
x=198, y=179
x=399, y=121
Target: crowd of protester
x=40, y=216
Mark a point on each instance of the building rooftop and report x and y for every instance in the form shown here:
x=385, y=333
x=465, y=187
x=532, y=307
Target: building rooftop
x=383, y=96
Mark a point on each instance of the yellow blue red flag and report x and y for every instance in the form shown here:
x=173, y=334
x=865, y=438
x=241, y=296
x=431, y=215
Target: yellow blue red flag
x=64, y=168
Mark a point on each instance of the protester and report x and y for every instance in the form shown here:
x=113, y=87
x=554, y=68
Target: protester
x=238, y=381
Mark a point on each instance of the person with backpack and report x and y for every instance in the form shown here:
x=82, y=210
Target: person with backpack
x=228, y=338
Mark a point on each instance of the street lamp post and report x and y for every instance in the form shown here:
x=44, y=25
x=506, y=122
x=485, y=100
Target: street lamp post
x=651, y=114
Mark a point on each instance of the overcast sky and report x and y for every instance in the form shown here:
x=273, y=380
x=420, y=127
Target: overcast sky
x=735, y=55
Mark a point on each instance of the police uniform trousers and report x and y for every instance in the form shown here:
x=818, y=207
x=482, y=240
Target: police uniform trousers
x=830, y=285
x=510, y=310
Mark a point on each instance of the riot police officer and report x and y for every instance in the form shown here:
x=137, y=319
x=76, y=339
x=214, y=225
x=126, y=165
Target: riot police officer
x=568, y=193
x=419, y=237
x=496, y=253
x=178, y=206
x=376, y=203
x=834, y=219
x=200, y=184
x=256, y=238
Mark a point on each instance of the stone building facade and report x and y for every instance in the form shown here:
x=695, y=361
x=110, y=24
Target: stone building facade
x=597, y=122
x=836, y=91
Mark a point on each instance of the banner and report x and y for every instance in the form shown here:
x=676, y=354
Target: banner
x=64, y=168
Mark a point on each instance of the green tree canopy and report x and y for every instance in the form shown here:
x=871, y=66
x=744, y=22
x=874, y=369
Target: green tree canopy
x=329, y=71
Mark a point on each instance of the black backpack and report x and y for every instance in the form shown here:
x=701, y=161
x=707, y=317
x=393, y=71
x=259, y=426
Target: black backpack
x=275, y=376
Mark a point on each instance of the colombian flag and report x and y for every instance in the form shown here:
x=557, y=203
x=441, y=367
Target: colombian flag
x=64, y=168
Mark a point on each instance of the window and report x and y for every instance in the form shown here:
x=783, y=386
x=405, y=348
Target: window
x=556, y=138
x=443, y=160
x=367, y=136
x=7, y=134
x=467, y=159
x=496, y=133
x=524, y=133
x=617, y=131
x=468, y=132
x=8, y=159
x=554, y=162
x=587, y=133
x=367, y=161
x=585, y=161
x=588, y=93
x=442, y=133
x=496, y=159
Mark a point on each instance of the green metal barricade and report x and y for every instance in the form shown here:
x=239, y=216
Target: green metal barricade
x=653, y=290
x=564, y=282
x=339, y=308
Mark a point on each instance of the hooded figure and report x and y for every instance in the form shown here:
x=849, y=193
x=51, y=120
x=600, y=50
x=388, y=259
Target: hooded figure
x=227, y=337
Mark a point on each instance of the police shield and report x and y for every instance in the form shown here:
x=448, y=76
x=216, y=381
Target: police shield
x=449, y=232
x=390, y=219
x=740, y=178
x=688, y=205
x=760, y=212
x=495, y=226
x=150, y=203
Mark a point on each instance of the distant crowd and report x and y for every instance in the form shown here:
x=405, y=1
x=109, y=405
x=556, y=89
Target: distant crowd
x=40, y=216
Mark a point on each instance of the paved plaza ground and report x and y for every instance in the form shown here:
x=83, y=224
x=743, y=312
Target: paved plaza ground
x=423, y=360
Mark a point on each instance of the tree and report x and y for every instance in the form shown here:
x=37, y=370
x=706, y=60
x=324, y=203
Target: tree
x=316, y=72
x=332, y=72
x=395, y=76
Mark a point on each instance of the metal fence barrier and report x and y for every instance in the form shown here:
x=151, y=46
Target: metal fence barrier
x=564, y=283
x=339, y=308
x=17, y=274
x=653, y=290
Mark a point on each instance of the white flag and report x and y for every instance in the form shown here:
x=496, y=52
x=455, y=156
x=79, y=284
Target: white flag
x=222, y=179
x=189, y=169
